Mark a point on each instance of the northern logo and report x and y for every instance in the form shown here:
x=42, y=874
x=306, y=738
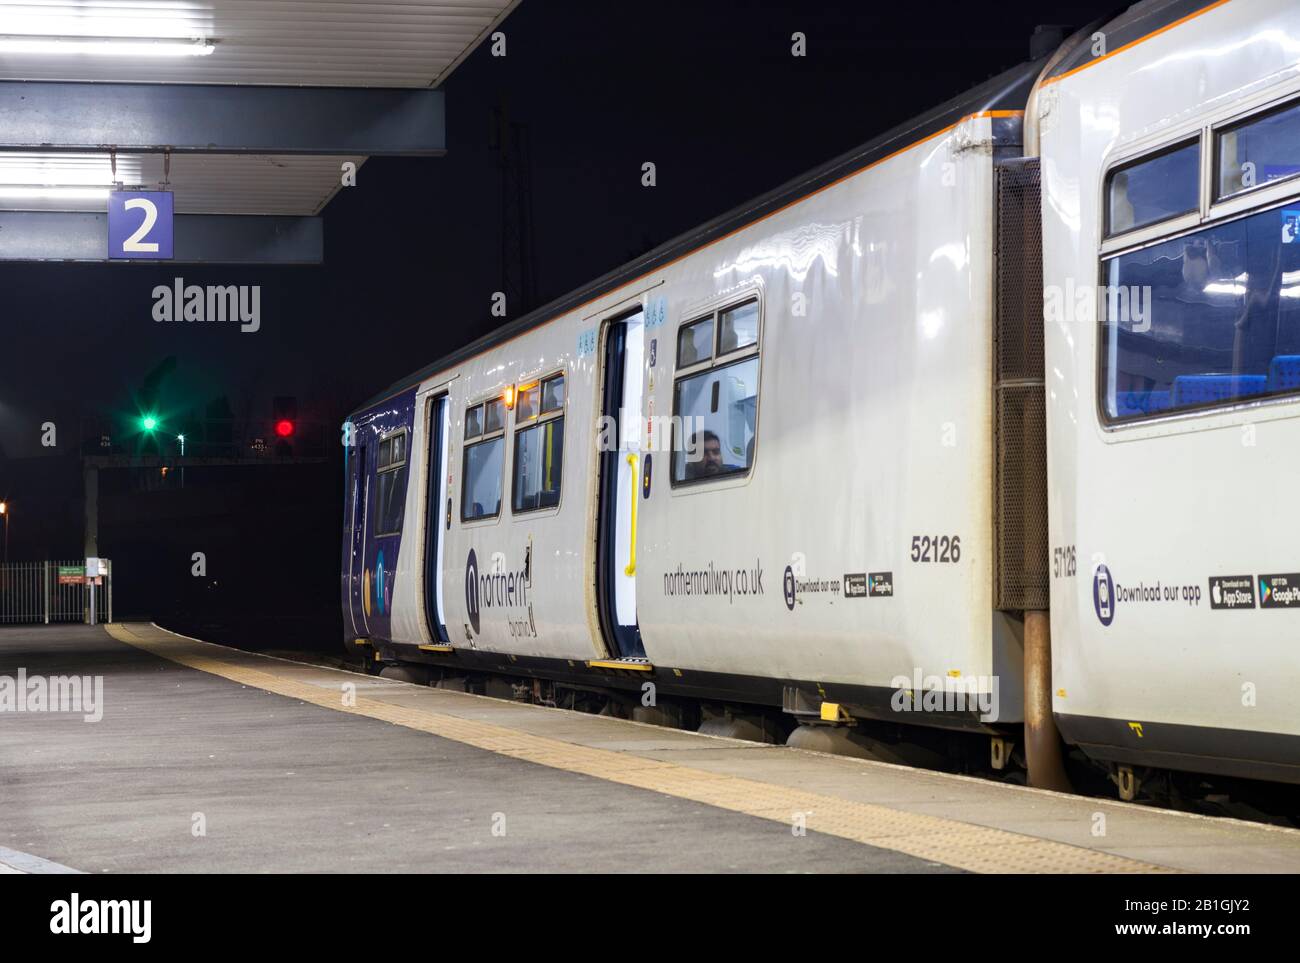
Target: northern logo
x=1103, y=595
x=471, y=590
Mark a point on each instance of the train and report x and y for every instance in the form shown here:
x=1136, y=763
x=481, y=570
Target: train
x=975, y=442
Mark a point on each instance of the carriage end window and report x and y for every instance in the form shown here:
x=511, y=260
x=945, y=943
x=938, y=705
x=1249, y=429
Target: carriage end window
x=485, y=445
x=539, y=446
x=391, y=489
x=716, y=410
x=1153, y=189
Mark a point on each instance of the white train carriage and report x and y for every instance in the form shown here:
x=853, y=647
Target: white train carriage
x=1171, y=195
x=824, y=454
x=797, y=497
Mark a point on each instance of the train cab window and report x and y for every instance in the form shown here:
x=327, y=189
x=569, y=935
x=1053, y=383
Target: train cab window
x=1153, y=189
x=539, y=446
x=1258, y=151
x=1204, y=320
x=715, y=411
x=391, y=488
x=695, y=343
x=485, y=446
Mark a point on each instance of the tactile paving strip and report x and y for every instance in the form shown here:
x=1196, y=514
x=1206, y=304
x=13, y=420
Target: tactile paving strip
x=979, y=849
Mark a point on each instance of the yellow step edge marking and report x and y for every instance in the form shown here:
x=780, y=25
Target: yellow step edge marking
x=436, y=648
x=961, y=845
x=615, y=664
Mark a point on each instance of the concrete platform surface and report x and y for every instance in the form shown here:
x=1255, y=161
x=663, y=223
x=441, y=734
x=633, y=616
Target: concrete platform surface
x=210, y=759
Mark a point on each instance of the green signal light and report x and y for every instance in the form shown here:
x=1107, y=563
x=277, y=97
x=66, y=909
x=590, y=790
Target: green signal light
x=149, y=422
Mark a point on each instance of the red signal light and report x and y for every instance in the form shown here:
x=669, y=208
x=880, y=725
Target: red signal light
x=284, y=427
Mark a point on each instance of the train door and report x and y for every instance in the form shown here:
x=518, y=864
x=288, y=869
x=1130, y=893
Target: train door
x=620, y=459
x=437, y=516
x=357, y=558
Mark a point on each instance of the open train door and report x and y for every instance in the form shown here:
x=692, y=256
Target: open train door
x=619, y=485
x=437, y=516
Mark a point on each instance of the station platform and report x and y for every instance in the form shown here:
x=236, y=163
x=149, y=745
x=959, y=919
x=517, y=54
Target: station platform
x=211, y=760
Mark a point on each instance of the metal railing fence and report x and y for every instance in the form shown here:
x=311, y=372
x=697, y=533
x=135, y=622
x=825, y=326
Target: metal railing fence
x=54, y=591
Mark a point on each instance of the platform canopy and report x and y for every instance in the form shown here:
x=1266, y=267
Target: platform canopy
x=239, y=107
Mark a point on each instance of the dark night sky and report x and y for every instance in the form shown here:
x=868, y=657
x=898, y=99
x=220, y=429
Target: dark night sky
x=706, y=90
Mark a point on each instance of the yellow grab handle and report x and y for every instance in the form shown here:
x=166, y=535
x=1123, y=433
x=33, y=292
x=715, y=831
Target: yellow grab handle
x=631, y=556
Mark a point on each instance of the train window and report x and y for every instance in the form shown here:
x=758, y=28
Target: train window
x=714, y=427
x=391, y=488
x=715, y=411
x=695, y=343
x=480, y=495
x=474, y=422
x=530, y=403
x=1258, y=151
x=539, y=451
x=538, y=466
x=392, y=450
x=553, y=394
x=738, y=327
x=1153, y=189
x=1206, y=320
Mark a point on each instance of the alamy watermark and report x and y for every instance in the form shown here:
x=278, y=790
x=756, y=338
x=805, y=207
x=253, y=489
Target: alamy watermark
x=215, y=303
x=125, y=917
x=1127, y=305
x=656, y=433
x=76, y=694
x=935, y=693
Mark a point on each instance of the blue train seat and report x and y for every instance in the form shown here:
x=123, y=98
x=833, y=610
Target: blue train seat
x=1284, y=373
x=1128, y=403
x=1207, y=388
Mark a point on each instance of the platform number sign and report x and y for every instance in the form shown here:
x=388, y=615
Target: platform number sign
x=140, y=225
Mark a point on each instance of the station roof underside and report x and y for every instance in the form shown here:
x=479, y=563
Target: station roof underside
x=320, y=48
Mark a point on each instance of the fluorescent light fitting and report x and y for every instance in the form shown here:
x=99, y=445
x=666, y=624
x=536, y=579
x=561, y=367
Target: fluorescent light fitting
x=17, y=192
x=106, y=46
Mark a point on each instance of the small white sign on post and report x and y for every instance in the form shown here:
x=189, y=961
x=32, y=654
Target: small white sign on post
x=92, y=570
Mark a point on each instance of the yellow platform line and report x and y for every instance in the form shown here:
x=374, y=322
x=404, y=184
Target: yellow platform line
x=961, y=845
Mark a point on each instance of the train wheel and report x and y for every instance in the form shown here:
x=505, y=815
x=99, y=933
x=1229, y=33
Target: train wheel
x=416, y=674
x=1128, y=782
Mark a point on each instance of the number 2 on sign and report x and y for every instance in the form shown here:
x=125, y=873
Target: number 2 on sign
x=136, y=241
